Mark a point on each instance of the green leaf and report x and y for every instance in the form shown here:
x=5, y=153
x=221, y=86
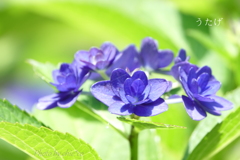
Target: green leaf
x=12, y=114
x=82, y=124
x=43, y=70
x=207, y=124
x=43, y=143
x=218, y=138
x=9, y=152
x=141, y=125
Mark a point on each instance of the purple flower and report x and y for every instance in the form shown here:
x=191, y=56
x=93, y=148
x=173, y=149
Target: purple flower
x=128, y=58
x=181, y=61
x=125, y=94
x=200, y=87
x=152, y=58
x=182, y=57
x=149, y=57
x=67, y=80
x=97, y=59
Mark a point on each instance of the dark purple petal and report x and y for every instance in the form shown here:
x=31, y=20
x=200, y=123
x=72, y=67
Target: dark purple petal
x=191, y=74
x=110, y=51
x=95, y=51
x=127, y=86
x=213, y=112
x=68, y=100
x=65, y=68
x=122, y=95
x=158, y=87
x=151, y=109
x=127, y=59
x=88, y=65
x=131, y=99
x=103, y=92
x=121, y=108
x=46, y=105
x=145, y=93
x=202, y=98
x=185, y=66
x=193, y=110
x=219, y=103
x=182, y=54
x=203, y=80
x=82, y=56
x=52, y=97
x=48, y=102
x=140, y=75
x=211, y=88
x=118, y=78
x=185, y=87
x=137, y=87
x=165, y=58
x=149, y=53
x=68, y=85
x=193, y=86
x=204, y=69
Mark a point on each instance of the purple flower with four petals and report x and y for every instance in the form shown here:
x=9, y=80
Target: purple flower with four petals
x=125, y=94
x=67, y=80
x=97, y=59
x=200, y=87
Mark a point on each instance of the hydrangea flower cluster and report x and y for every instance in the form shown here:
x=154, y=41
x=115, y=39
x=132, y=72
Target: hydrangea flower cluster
x=127, y=90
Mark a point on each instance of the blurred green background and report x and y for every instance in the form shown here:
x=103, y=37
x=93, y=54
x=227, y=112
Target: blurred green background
x=54, y=30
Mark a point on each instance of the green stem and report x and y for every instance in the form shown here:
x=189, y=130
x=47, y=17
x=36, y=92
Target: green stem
x=133, y=141
x=103, y=74
x=89, y=111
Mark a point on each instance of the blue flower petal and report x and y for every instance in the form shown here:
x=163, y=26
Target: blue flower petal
x=211, y=88
x=110, y=51
x=182, y=55
x=193, y=86
x=46, y=105
x=140, y=75
x=48, y=102
x=68, y=100
x=185, y=87
x=193, y=110
x=127, y=86
x=218, y=103
x=137, y=87
x=165, y=57
x=202, y=98
x=117, y=79
x=149, y=53
x=151, y=109
x=203, y=80
x=204, y=69
x=185, y=66
x=158, y=87
x=121, y=108
x=104, y=93
x=191, y=74
x=127, y=59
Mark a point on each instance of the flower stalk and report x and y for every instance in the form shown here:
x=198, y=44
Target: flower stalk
x=133, y=141
x=103, y=74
